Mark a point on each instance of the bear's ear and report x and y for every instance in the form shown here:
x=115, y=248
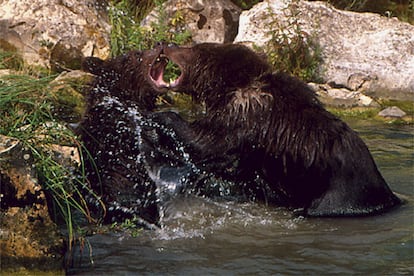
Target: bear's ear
x=93, y=65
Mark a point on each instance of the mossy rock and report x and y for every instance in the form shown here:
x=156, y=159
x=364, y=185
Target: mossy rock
x=29, y=238
x=64, y=57
x=68, y=94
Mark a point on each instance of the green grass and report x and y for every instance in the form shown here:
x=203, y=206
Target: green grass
x=26, y=105
x=370, y=114
x=245, y=4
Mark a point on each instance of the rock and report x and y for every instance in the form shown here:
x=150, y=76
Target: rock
x=68, y=95
x=341, y=97
x=4, y=72
x=360, y=81
x=207, y=21
x=361, y=51
x=54, y=33
x=77, y=76
x=392, y=111
x=28, y=237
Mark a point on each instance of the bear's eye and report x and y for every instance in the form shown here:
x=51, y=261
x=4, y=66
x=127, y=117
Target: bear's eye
x=139, y=59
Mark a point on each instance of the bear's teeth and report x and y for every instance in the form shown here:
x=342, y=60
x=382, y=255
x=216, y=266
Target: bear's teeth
x=163, y=58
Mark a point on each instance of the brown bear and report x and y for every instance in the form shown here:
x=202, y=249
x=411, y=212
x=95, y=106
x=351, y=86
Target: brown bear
x=122, y=94
x=268, y=132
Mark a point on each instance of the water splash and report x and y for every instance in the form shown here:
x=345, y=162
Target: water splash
x=188, y=217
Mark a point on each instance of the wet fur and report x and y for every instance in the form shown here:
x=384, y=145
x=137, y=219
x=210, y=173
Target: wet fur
x=118, y=101
x=268, y=132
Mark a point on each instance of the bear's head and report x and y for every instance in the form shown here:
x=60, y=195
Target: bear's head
x=135, y=76
x=214, y=68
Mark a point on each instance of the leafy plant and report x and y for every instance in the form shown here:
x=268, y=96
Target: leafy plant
x=138, y=8
x=127, y=34
x=292, y=50
x=130, y=225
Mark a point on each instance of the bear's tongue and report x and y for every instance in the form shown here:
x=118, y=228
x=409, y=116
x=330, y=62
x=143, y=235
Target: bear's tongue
x=165, y=73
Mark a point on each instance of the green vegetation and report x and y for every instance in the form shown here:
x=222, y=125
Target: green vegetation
x=403, y=9
x=362, y=113
x=371, y=114
x=9, y=59
x=27, y=104
x=292, y=50
x=129, y=225
x=138, y=9
x=127, y=34
x=246, y=4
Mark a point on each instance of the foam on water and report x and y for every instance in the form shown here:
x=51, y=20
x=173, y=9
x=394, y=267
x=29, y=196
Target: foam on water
x=187, y=217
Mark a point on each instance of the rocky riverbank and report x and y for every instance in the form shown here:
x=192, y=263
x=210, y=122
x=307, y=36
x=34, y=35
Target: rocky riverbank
x=367, y=65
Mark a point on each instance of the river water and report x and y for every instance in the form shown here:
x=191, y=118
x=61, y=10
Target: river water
x=221, y=238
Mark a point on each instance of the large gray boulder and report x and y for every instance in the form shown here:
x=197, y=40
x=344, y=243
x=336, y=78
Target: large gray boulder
x=54, y=33
x=363, y=52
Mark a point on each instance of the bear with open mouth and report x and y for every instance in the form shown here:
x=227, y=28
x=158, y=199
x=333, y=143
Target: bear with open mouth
x=134, y=162
x=269, y=133
x=123, y=93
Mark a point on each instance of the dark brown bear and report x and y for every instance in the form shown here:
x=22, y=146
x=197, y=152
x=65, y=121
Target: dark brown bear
x=121, y=96
x=270, y=133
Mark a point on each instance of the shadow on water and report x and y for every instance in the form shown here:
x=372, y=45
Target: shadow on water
x=205, y=237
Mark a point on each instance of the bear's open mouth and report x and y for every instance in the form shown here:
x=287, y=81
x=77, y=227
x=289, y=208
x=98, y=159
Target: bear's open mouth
x=157, y=69
x=165, y=73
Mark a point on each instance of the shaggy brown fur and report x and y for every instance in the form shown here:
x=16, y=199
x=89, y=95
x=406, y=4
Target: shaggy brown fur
x=271, y=127
x=121, y=96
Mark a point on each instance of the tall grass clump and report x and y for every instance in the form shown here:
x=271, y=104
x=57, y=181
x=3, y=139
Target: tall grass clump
x=26, y=105
x=292, y=50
